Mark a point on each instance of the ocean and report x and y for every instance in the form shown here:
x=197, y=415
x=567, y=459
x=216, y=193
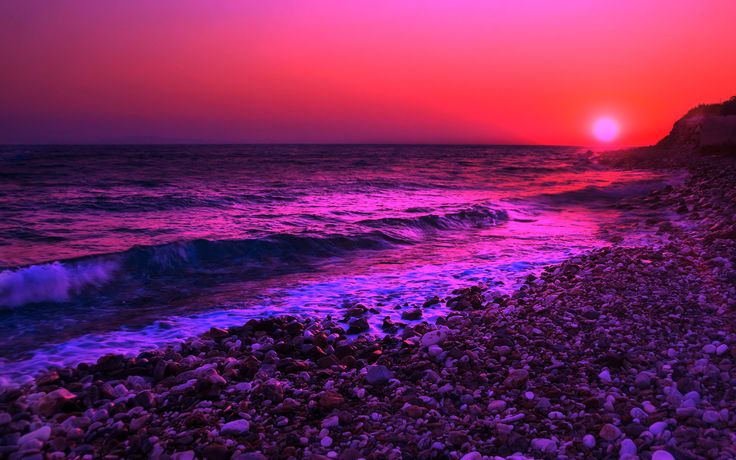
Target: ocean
x=117, y=249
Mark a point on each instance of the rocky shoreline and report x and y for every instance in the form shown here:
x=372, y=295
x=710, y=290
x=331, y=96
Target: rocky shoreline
x=620, y=353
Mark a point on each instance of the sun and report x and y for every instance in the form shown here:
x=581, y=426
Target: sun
x=605, y=129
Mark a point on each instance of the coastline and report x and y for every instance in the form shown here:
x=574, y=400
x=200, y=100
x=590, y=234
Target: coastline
x=620, y=352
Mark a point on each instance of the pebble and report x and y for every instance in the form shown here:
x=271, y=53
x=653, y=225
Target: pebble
x=610, y=432
x=628, y=448
x=711, y=416
x=547, y=446
x=378, y=374
x=662, y=455
x=326, y=441
x=235, y=428
x=589, y=441
x=605, y=376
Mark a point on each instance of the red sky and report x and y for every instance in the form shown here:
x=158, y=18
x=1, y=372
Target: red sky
x=455, y=71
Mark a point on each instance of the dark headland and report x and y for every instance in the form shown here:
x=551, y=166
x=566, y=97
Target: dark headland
x=619, y=353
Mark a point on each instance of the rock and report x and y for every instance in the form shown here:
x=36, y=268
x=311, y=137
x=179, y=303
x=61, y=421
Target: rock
x=144, y=399
x=657, y=428
x=472, y=456
x=721, y=349
x=331, y=422
x=53, y=402
x=412, y=315
x=358, y=325
x=516, y=378
x=186, y=455
x=709, y=349
x=326, y=441
x=589, y=441
x=235, y=428
x=711, y=416
x=610, y=432
x=547, y=446
x=662, y=455
x=378, y=375
x=218, y=333
x=331, y=400
x=605, y=376
x=42, y=435
x=628, y=448
x=5, y=418
x=216, y=451
x=497, y=405
x=434, y=351
x=433, y=338
x=272, y=390
x=643, y=380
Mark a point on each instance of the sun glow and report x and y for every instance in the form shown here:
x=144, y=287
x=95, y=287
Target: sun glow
x=605, y=129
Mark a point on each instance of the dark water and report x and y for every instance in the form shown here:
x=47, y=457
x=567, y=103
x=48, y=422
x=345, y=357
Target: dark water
x=118, y=248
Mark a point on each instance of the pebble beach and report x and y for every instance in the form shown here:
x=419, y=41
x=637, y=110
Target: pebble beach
x=618, y=353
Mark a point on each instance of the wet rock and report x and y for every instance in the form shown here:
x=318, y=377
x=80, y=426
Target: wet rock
x=378, y=375
x=412, y=315
x=54, y=402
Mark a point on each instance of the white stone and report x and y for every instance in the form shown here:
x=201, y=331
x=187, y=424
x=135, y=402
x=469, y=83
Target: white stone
x=331, y=422
x=434, y=351
x=472, y=456
x=544, y=445
x=628, y=448
x=638, y=413
x=236, y=427
x=42, y=434
x=711, y=416
x=589, y=441
x=326, y=441
x=662, y=455
x=657, y=428
x=605, y=376
x=497, y=405
x=433, y=338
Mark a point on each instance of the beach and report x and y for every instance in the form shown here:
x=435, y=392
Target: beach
x=620, y=352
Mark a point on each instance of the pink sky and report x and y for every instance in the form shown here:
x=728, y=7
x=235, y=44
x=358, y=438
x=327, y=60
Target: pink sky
x=358, y=71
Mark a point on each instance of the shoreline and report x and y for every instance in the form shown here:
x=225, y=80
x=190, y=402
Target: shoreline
x=619, y=352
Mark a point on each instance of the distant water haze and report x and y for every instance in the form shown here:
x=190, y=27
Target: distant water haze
x=116, y=249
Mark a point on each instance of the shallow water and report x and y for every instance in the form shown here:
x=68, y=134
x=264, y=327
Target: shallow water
x=114, y=248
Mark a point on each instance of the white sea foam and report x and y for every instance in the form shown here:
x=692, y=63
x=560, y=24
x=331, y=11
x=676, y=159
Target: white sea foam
x=54, y=282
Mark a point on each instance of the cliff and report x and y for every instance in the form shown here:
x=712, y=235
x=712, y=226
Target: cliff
x=706, y=128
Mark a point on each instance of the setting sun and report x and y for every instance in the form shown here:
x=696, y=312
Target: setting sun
x=605, y=129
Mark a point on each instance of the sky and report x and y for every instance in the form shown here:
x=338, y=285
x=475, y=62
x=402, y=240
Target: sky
x=375, y=71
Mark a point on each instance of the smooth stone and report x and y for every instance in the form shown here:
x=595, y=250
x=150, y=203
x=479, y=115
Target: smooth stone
x=610, y=432
x=433, y=338
x=721, y=349
x=40, y=435
x=235, y=428
x=643, y=380
x=547, y=446
x=711, y=416
x=605, y=376
x=628, y=448
x=662, y=455
x=657, y=428
x=326, y=441
x=497, y=405
x=378, y=374
x=709, y=349
x=472, y=456
x=589, y=441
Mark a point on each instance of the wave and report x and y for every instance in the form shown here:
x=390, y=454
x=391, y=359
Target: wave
x=54, y=282
x=62, y=281
x=475, y=216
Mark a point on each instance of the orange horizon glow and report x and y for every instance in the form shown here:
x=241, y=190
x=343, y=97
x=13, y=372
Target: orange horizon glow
x=529, y=71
